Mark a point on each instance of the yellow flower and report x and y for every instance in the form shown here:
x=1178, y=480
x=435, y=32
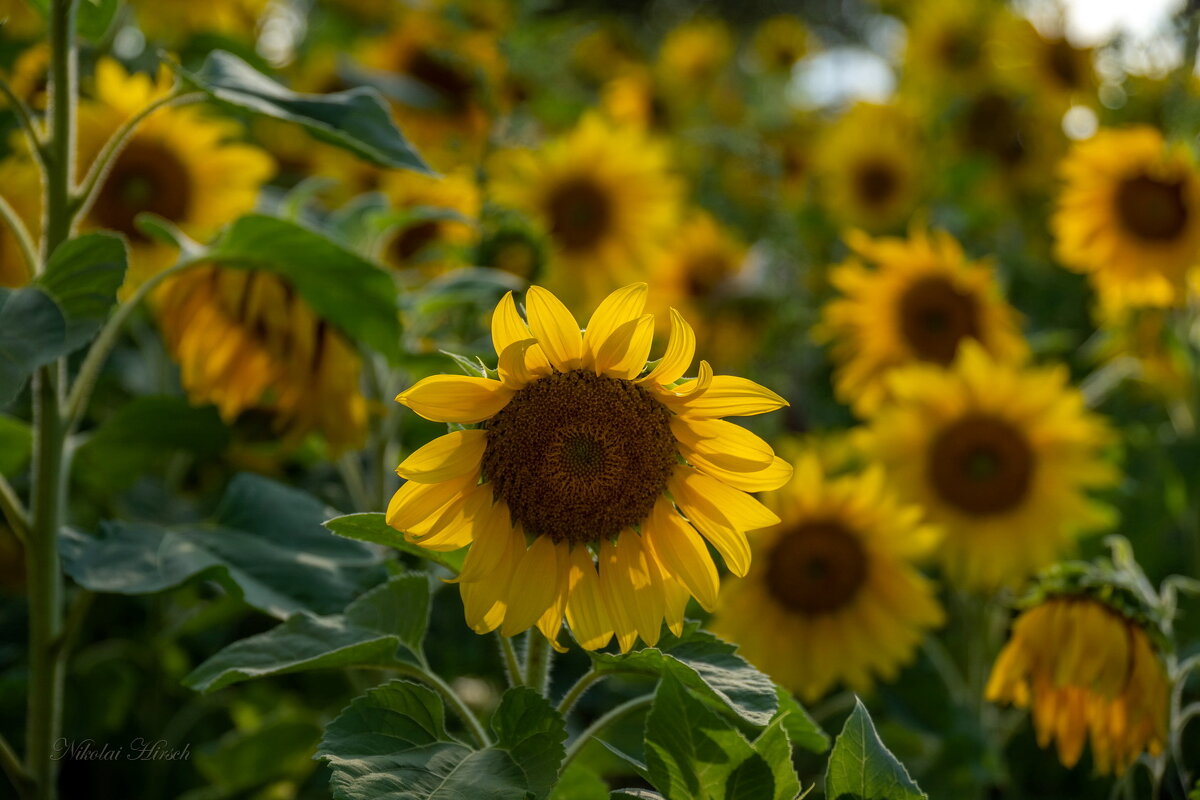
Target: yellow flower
x=1129, y=216
x=778, y=43
x=29, y=76
x=946, y=50
x=607, y=50
x=605, y=198
x=1048, y=67
x=21, y=19
x=1000, y=456
x=1086, y=671
x=244, y=341
x=432, y=241
x=693, y=55
x=179, y=164
x=21, y=186
x=1155, y=354
x=835, y=577
x=174, y=22
x=920, y=302
x=633, y=98
x=583, y=488
x=867, y=162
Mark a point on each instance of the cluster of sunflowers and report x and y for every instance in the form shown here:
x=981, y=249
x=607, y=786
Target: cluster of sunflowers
x=974, y=296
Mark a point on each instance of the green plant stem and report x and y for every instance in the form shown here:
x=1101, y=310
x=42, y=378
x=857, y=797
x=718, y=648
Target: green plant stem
x=15, y=771
x=59, y=148
x=575, y=692
x=511, y=665
x=537, y=661
x=594, y=730
x=21, y=233
x=32, y=131
x=14, y=512
x=451, y=698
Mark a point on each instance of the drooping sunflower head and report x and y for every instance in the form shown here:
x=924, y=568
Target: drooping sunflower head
x=867, y=163
x=1088, y=672
x=179, y=164
x=439, y=219
x=919, y=302
x=605, y=197
x=778, y=43
x=591, y=479
x=22, y=182
x=1129, y=216
x=837, y=575
x=1001, y=456
x=246, y=342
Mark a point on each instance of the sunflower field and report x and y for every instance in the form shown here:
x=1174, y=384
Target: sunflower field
x=600, y=400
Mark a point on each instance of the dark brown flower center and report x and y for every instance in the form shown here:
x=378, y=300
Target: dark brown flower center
x=1063, y=61
x=981, y=465
x=875, y=183
x=579, y=457
x=817, y=568
x=147, y=176
x=935, y=316
x=993, y=128
x=450, y=81
x=413, y=239
x=580, y=213
x=1152, y=209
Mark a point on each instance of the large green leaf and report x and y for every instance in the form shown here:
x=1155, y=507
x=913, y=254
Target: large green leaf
x=356, y=120
x=392, y=743
x=802, y=731
x=694, y=754
x=775, y=748
x=33, y=332
x=16, y=445
x=83, y=276
x=341, y=286
x=635, y=794
x=705, y=664
x=266, y=544
x=371, y=527
x=861, y=768
x=384, y=626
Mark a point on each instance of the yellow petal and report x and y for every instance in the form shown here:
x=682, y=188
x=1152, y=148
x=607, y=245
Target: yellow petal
x=534, y=586
x=622, y=306
x=555, y=328
x=725, y=396
x=484, y=601
x=507, y=325
x=679, y=549
x=415, y=502
x=611, y=589
x=456, y=398
x=681, y=349
x=722, y=443
x=623, y=354
x=492, y=540
x=640, y=585
x=514, y=365
x=767, y=479
x=446, y=457
x=586, y=612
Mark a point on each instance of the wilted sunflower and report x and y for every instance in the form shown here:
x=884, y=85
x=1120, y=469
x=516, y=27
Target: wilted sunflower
x=867, y=163
x=921, y=301
x=245, y=341
x=21, y=186
x=1086, y=670
x=835, y=577
x=440, y=223
x=605, y=198
x=1000, y=456
x=1129, y=216
x=582, y=488
x=180, y=164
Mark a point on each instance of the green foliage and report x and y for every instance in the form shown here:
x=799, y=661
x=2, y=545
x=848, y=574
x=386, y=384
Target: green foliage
x=393, y=742
x=356, y=120
x=32, y=333
x=862, y=768
x=16, y=445
x=371, y=527
x=266, y=543
x=384, y=626
x=83, y=276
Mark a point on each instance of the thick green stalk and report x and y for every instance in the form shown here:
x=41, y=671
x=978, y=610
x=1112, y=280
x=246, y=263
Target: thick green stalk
x=537, y=661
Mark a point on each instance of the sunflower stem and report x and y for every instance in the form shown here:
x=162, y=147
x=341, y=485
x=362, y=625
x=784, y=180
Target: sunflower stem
x=512, y=666
x=28, y=124
x=537, y=661
x=15, y=770
x=575, y=692
x=14, y=512
x=24, y=240
x=597, y=727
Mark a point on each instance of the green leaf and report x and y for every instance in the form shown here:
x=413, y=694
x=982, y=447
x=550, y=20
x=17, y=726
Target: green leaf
x=635, y=794
x=16, y=445
x=579, y=782
x=32, y=333
x=529, y=728
x=693, y=754
x=244, y=759
x=861, y=768
x=356, y=120
x=371, y=527
x=802, y=731
x=94, y=17
x=705, y=664
x=266, y=544
x=384, y=626
x=342, y=287
x=143, y=434
x=392, y=743
x=775, y=748
x=83, y=276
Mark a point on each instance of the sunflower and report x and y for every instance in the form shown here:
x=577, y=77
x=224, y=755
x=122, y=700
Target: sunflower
x=778, y=43
x=634, y=98
x=1129, y=216
x=179, y=164
x=1153, y=341
x=607, y=50
x=1050, y=67
x=1000, y=456
x=30, y=75
x=583, y=487
x=175, y=22
x=440, y=223
x=605, y=198
x=867, y=164
x=21, y=183
x=693, y=55
x=245, y=341
x=920, y=302
x=21, y=19
x=1087, y=671
x=946, y=46
x=836, y=576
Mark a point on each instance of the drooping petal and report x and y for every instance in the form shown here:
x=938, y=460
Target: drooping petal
x=675, y=545
x=492, y=539
x=515, y=364
x=555, y=328
x=621, y=307
x=624, y=353
x=681, y=348
x=534, y=586
x=725, y=396
x=641, y=586
x=586, y=611
x=456, y=398
x=485, y=601
x=446, y=457
x=611, y=589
